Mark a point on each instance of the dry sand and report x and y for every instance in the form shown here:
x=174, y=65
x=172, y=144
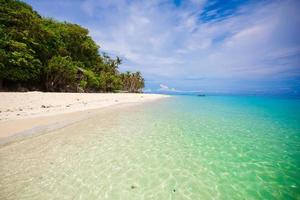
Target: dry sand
x=27, y=113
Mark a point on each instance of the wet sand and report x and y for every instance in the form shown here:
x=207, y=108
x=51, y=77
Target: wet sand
x=23, y=114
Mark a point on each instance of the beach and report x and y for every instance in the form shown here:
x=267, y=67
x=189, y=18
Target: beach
x=183, y=147
x=149, y=100
x=32, y=112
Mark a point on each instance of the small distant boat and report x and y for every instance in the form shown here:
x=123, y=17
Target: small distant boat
x=201, y=95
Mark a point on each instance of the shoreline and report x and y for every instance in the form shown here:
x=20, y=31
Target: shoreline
x=37, y=120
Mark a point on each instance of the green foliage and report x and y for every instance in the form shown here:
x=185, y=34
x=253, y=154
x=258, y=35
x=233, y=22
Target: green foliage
x=54, y=56
x=18, y=62
x=61, y=73
x=132, y=82
x=82, y=84
x=110, y=82
x=92, y=80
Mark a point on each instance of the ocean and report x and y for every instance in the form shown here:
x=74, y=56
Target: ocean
x=183, y=147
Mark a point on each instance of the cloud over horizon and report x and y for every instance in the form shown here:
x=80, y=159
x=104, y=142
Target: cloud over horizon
x=238, y=46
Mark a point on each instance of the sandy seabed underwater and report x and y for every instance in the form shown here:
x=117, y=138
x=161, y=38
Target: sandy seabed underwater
x=185, y=147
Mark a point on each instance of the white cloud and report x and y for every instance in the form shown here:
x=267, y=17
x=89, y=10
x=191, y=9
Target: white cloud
x=166, y=88
x=165, y=41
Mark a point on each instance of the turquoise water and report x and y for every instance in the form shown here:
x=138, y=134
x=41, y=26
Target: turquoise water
x=184, y=147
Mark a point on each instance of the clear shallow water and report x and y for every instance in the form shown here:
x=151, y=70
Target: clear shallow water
x=179, y=148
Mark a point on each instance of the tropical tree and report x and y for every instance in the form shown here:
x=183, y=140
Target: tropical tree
x=61, y=74
x=42, y=53
x=132, y=82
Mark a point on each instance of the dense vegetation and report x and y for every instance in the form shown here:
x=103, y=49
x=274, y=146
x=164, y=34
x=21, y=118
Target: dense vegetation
x=38, y=53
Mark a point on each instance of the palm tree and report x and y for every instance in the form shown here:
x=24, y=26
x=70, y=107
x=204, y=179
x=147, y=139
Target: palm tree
x=132, y=82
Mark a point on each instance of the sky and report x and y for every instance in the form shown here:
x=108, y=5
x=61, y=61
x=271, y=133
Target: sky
x=216, y=46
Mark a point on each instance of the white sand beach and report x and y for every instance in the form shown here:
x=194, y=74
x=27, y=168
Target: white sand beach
x=38, y=111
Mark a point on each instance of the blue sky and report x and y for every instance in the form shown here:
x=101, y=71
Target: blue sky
x=233, y=46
